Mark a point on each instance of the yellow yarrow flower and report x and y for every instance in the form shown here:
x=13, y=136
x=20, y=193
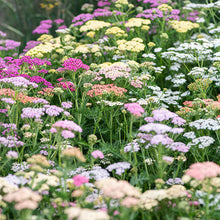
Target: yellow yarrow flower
x=94, y=25
x=145, y=28
x=165, y=7
x=183, y=26
x=137, y=22
x=104, y=65
x=137, y=39
x=90, y=34
x=135, y=45
x=115, y=31
x=45, y=38
x=82, y=49
x=41, y=49
x=122, y=2
x=151, y=44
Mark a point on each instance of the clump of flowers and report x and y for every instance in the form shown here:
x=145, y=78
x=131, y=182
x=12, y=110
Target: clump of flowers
x=25, y=198
x=134, y=108
x=114, y=189
x=99, y=90
x=74, y=64
x=200, y=171
x=183, y=26
x=94, y=25
x=135, y=45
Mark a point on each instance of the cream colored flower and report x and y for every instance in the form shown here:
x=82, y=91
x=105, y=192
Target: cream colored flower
x=21, y=195
x=176, y=191
x=27, y=204
x=137, y=22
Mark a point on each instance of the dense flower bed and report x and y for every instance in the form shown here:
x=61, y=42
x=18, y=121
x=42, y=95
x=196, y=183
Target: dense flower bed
x=115, y=117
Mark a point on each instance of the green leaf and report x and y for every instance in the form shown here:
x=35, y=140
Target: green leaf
x=13, y=29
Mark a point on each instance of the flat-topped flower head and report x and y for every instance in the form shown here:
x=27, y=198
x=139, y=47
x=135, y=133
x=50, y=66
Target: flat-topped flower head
x=156, y=127
x=98, y=90
x=134, y=108
x=67, y=125
x=78, y=180
x=200, y=171
x=74, y=64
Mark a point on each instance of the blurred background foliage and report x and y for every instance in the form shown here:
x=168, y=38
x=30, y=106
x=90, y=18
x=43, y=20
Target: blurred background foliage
x=18, y=18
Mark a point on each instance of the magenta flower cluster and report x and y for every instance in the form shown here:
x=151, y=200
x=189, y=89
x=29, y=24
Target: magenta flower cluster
x=74, y=64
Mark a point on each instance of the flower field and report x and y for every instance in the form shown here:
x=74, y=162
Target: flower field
x=113, y=116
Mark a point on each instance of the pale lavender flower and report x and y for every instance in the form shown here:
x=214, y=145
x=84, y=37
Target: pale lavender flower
x=11, y=125
x=66, y=113
x=20, y=166
x=167, y=159
x=11, y=141
x=96, y=173
x=146, y=137
x=67, y=105
x=8, y=100
x=53, y=110
x=119, y=167
x=132, y=147
x=32, y=112
x=15, y=180
x=12, y=155
x=19, y=81
x=156, y=127
x=97, y=154
x=69, y=125
x=178, y=146
x=160, y=138
x=177, y=181
x=44, y=152
x=40, y=100
x=177, y=130
x=161, y=115
x=67, y=134
x=149, y=119
x=178, y=121
x=2, y=34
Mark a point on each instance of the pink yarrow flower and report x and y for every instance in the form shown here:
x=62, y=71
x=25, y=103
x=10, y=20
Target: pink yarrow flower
x=67, y=125
x=78, y=180
x=134, y=108
x=200, y=171
x=97, y=154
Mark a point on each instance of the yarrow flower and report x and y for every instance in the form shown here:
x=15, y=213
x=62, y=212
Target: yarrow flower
x=53, y=110
x=119, y=167
x=32, y=112
x=78, y=180
x=200, y=171
x=67, y=125
x=161, y=115
x=67, y=134
x=19, y=81
x=11, y=141
x=97, y=154
x=8, y=100
x=67, y=105
x=134, y=108
x=98, y=90
x=12, y=154
x=132, y=147
x=74, y=64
